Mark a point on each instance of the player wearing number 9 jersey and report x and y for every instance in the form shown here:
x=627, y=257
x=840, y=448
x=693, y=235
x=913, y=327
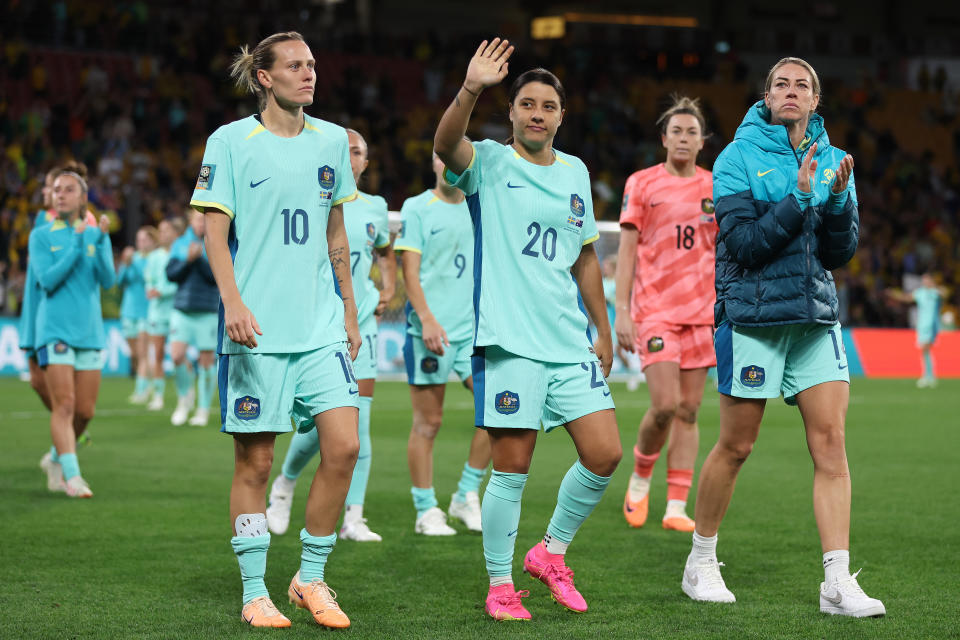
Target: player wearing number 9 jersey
x=667, y=239
x=272, y=186
x=436, y=245
x=367, y=225
x=533, y=364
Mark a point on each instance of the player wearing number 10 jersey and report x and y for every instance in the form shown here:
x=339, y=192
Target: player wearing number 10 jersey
x=272, y=186
x=665, y=267
x=534, y=364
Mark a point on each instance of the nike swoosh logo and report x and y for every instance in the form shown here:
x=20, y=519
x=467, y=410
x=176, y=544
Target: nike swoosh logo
x=353, y=393
x=656, y=204
x=55, y=248
x=513, y=533
x=434, y=232
x=515, y=186
x=760, y=175
x=626, y=505
x=249, y=620
x=254, y=185
x=837, y=599
x=299, y=595
x=606, y=392
x=692, y=578
x=841, y=367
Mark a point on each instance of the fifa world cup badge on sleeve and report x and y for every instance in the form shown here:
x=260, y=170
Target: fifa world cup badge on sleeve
x=205, y=179
x=752, y=376
x=507, y=402
x=247, y=408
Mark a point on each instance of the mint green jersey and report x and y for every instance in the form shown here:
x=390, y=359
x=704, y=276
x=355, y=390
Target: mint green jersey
x=442, y=233
x=531, y=223
x=367, y=229
x=928, y=309
x=278, y=193
x=155, y=277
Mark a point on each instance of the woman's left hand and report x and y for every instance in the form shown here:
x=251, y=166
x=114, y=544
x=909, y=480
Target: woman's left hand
x=844, y=171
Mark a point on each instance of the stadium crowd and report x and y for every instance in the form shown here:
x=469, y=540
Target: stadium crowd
x=132, y=90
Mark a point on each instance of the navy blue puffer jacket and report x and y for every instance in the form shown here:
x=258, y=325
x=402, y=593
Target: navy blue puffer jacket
x=777, y=244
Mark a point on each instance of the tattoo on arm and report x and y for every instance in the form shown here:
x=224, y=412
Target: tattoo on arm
x=338, y=263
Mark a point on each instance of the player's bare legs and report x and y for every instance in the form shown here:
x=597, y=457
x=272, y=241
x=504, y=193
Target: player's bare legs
x=339, y=447
x=38, y=382
x=824, y=409
x=87, y=385
x=253, y=458
x=427, y=404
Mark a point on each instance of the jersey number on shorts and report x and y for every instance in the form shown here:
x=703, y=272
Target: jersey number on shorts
x=686, y=242
x=548, y=245
x=296, y=227
x=347, y=368
x=594, y=382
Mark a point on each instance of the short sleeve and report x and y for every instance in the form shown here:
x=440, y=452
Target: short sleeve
x=411, y=236
x=589, y=232
x=383, y=228
x=215, y=189
x=469, y=180
x=344, y=188
x=631, y=211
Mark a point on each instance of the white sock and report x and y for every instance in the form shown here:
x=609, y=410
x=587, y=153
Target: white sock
x=554, y=546
x=638, y=487
x=676, y=508
x=352, y=513
x=496, y=581
x=704, y=549
x=836, y=565
x=285, y=483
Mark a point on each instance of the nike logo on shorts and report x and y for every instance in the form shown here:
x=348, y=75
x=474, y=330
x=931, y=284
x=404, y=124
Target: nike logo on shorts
x=606, y=392
x=515, y=186
x=255, y=185
x=354, y=392
x=434, y=232
x=841, y=367
x=513, y=533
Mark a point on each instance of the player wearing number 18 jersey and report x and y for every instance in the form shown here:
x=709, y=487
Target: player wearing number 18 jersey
x=665, y=267
x=272, y=186
x=534, y=364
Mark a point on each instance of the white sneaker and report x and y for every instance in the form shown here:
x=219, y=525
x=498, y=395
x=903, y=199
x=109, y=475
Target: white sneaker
x=77, y=487
x=54, y=473
x=281, y=499
x=180, y=414
x=156, y=403
x=844, y=597
x=139, y=398
x=467, y=510
x=358, y=531
x=434, y=523
x=199, y=418
x=703, y=581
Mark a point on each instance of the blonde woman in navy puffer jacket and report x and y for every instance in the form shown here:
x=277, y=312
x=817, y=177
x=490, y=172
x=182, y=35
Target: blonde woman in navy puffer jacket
x=787, y=211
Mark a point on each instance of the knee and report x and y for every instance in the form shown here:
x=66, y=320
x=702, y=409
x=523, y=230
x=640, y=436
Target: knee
x=85, y=414
x=828, y=443
x=427, y=426
x=604, y=461
x=687, y=412
x=663, y=414
x=255, y=470
x=736, y=453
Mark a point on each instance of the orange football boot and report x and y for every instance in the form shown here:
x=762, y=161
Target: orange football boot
x=320, y=600
x=261, y=612
x=636, y=512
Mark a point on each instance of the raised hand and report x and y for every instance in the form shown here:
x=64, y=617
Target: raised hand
x=127, y=255
x=488, y=66
x=808, y=170
x=844, y=171
x=104, y=224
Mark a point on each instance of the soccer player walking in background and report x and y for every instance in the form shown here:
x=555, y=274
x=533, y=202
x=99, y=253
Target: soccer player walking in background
x=928, y=297
x=160, y=292
x=787, y=210
x=72, y=261
x=133, y=309
x=272, y=186
x=368, y=233
x=533, y=365
x=193, y=322
x=665, y=298
x=436, y=245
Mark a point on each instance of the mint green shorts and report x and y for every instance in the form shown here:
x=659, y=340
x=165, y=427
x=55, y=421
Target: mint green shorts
x=132, y=327
x=196, y=328
x=516, y=392
x=263, y=392
x=426, y=367
x=764, y=362
x=365, y=366
x=62, y=353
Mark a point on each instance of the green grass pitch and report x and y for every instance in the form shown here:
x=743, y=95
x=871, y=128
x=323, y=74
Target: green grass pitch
x=149, y=555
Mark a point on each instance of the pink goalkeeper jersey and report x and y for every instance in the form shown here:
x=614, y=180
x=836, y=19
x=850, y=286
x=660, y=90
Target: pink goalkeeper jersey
x=676, y=252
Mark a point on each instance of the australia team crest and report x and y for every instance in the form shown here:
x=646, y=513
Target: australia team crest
x=507, y=402
x=371, y=231
x=577, y=207
x=326, y=176
x=247, y=408
x=752, y=376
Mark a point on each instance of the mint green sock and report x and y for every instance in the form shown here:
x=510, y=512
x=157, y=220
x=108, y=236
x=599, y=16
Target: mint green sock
x=183, y=378
x=53, y=454
x=159, y=386
x=303, y=446
x=470, y=480
x=142, y=384
x=423, y=499
x=361, y=471
x=252, y=557
x=500, y=515
x=580, y=492
x=928, y=366
x=70, y=465
x=206, y=378
x=313, y=558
